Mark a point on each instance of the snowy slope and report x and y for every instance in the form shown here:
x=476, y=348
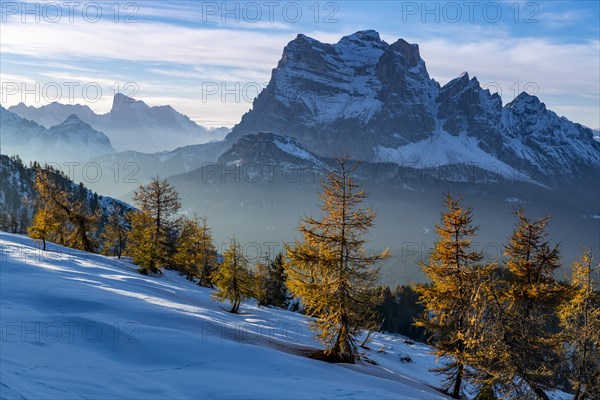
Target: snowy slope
x=77, y=325
x=442, y=149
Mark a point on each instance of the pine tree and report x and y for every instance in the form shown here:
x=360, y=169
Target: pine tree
x=580, y=319
x=195, y=255
x=455, y=274
x=261, y=275
x=233, y=277
x=115, y=233
x=209, y=252
x=277, y=294
x=271, y=279
x=158, y=202
x=330, y=271
x=512, y=345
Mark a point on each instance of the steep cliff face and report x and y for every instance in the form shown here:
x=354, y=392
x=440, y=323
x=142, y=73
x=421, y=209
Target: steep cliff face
x=377, y=101
x=346, y=96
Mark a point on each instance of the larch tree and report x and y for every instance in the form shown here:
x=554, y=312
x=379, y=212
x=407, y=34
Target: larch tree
x=456, y=273
x=233, y=278
x=75, y=222
x=514, y=348
x=330, y=271
x=43, y=226
x=195, y=255
x=580, y=319
x=142, y=242
x=159, y=202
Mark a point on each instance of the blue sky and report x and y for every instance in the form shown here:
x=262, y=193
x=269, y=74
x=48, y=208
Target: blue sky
x=209, y=59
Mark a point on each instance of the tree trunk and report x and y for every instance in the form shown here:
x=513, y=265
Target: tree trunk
x=366, y=340
x=540, y=393
x=43, y=244
x=458, y=382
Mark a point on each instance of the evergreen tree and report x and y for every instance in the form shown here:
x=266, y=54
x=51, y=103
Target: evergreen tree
x=115, y=233
x=261, y=275
x=158, y=202
x=455, y=274
x=209, y=251
x=195, y=255
x=580, y=319
x=272, y=277
x=330, y=271
x=398, y=311
x=233, y=277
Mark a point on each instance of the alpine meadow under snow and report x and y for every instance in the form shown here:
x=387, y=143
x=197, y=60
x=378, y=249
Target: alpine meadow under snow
x=81, y=325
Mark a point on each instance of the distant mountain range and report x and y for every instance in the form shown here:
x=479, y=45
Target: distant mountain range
x=70, y=140
x=130, y=124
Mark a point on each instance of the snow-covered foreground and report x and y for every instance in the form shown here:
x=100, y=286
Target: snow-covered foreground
x=78, y=325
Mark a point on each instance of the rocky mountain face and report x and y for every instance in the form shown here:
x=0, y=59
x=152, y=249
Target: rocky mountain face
x=377, y=101
x=131, y=124
x=71, y=140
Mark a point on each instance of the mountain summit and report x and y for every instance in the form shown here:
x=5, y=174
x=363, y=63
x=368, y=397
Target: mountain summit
x=130, y=124
x=377, y=101
x=72, y=139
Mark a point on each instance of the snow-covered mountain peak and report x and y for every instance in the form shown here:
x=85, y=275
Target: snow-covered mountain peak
x=368, y=35
x=361, y=95
x=526, y=103
x=269, y=148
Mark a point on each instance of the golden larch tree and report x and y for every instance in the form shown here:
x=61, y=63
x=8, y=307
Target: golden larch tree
x=330, y=270
x=233, y=278
x=580, y=319
x=456, y=273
